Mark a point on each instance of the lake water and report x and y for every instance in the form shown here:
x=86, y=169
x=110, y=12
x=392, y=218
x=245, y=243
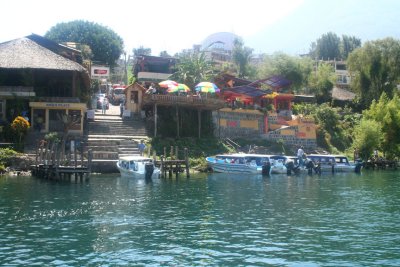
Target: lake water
x=206, y=220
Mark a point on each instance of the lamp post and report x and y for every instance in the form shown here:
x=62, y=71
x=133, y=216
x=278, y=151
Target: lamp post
x=125, y=70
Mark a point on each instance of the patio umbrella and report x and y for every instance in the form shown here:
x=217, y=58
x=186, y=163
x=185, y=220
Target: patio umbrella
x=207, y=87
x=167, y=84
x=180, y=87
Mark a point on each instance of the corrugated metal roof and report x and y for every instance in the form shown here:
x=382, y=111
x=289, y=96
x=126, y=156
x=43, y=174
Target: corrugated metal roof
x=247, y=90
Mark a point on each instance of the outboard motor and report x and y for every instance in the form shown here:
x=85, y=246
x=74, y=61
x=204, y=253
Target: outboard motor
x=310, y=166
x=266, y=168
x=148, y=170
x=289, y=167
x=359, y=165
x=317, y=168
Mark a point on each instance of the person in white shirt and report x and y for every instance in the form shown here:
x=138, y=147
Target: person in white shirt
x=300, y=153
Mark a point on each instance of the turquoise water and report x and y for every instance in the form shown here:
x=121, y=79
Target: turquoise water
x=206, y=220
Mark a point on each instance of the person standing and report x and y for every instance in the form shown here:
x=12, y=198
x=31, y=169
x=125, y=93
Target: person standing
x=300, y=154
x=121, y=108
x=103, y=107
x=141, y=147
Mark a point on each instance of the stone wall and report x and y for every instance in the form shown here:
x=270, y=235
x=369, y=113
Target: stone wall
x=238, y=123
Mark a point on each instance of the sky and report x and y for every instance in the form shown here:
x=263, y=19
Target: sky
x=161, y=25
x=267, y=26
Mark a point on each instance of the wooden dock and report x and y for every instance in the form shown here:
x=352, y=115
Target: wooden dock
x=171, y=163
x=51, y=163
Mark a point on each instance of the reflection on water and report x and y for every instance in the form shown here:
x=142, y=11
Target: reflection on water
x=217, y=219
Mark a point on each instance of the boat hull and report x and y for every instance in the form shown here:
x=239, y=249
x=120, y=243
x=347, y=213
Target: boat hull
x=222, y=166
x=140, y=174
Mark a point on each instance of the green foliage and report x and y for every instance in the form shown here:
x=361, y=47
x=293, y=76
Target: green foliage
x=386, y=112
x=198, y=149
x=375, y=68
x=104, y=43
x=334, y=132
x=2, y=169
x=188, y=122
x=329, y=46
x=241, y=57
x=295, y=69
x=141, y=51
x=367, y=137
x=193, y=68
x=349, y=44
x=52, y=137
x=322, y=82
x=6, y=154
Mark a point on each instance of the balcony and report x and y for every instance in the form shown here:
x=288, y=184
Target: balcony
x=204, y=103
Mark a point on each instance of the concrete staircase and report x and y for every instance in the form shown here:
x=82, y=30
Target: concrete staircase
x=110, y=137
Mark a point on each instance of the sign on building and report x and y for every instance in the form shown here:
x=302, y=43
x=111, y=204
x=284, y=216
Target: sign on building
x=99, y=72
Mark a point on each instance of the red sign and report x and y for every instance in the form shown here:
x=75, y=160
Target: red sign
x=97, y=71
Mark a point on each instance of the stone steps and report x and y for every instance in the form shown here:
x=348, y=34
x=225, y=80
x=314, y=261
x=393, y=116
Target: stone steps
x=110, y=137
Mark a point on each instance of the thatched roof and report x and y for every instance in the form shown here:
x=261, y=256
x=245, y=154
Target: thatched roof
x=24, y=53
x=342, y=94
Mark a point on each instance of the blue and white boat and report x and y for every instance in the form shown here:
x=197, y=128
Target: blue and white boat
x=334, y=163
x=247, y=163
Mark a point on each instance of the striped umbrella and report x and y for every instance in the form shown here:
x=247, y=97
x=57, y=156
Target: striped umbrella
x=167, y=84
x=207, y=87
x=179, y=88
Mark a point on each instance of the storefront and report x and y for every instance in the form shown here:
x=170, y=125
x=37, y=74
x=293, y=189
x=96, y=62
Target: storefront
x=47, y=117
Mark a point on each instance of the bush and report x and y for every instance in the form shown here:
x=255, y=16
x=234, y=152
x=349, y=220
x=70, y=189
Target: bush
x=6, y=155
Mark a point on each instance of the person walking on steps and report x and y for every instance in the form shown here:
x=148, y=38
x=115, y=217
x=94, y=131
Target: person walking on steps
x=141, y=147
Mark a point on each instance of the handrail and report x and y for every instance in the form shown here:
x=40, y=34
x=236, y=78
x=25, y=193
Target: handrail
x=171, y=99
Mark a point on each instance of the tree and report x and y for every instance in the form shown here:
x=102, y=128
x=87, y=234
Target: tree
x=241, y=57
x=330, y=46
x=141, y=51
x=327, y=47
x=386, y=112
x=105, y=44
x=164, y=54
x=192, y=68
x=367, y=137
x=295, y=69
x=322, y=81
x=20, y=127
x=348, y=45
x=375, y=68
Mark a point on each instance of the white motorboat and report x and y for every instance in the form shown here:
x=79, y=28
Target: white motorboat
x=247, y=163
x=334, y=163
x=137, y=167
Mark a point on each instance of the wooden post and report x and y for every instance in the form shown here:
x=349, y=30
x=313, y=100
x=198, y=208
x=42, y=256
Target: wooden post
x=37, y=155
x=176, y=152
x=90, y=157
x=199, y=121
x=187, y=163
x=165, y=152
x=155, y=120
x=177, y=121
x=162, y=167
x=75, y=155
x=219, y=124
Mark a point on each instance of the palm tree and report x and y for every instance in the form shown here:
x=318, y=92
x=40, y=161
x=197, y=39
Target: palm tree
x=193, y=68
